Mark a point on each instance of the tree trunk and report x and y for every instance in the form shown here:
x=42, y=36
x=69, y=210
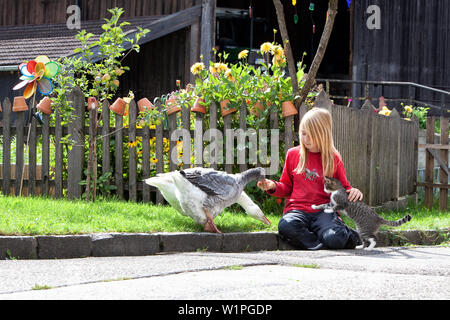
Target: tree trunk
x=310, y=79
x=287, y=45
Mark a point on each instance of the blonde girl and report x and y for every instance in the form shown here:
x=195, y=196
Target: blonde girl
x=302, y=185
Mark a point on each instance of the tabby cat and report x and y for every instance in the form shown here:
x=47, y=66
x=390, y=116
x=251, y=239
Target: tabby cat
x=367, y=221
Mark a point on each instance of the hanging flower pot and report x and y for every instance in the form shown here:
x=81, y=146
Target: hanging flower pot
x=225, y=108
x=144, y=104
x=45, y=106
x=257, y=109
x=118, y=106
x=92, y=103
x=198, y=107
x=172, y=106
x=19, y=104
x=288, y=109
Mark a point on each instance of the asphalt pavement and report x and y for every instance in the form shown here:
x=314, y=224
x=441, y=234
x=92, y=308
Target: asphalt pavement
x=386, y=273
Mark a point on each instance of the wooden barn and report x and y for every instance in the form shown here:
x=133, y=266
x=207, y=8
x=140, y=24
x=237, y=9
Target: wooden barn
x=376, y=40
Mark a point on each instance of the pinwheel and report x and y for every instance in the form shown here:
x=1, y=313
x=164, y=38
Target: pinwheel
x=37, y=74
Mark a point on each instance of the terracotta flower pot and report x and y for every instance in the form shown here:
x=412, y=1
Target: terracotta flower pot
x=19, y=104
x=288, y=109
x=257, y=108
x=145, y=104
x=45, y=106
x=172, y=106
x=92, y=103
x=197, y=107
x=118, y=106
x=225, y=108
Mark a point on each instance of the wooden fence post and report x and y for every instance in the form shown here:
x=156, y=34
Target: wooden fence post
x=396, y=152
x=20, y=143
x=76, y=152
x=198, y=140
x=213, y=120
x=106, y=155
x=368, y=109
x=118, y=154
x=58, y=155
x=145, y=163
x=32, y=148
x=429, y=165
x=186, y=125
x=159, y=148
x=443, y=176
x=46, y=154
x=6, y=113
x=132, y=163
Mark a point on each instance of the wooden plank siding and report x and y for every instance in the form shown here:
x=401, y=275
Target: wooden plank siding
x=412, y=46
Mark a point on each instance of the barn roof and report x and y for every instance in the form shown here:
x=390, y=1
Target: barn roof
x=23, y=43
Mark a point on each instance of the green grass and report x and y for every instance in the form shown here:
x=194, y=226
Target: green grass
x=44, y=216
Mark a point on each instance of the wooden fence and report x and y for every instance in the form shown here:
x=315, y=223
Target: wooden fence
x=438, y=152
x=379, y=152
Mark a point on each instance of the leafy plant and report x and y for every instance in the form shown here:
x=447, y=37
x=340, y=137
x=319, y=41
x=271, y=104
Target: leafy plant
x=99, y=79
x=103, y=186
x=420, y=112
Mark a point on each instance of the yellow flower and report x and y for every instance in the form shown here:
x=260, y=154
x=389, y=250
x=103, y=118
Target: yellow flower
x=277, y=60
x=385, y=112
x=408, y=119
x=385, y=108
x=228, y=75
x=408, y=109
x=197, y=68
x=153, y=160
x=266, y=47
x=132, y=144
x=277, y=50
x=213, y=69
x=243, y=54
x=221, y=67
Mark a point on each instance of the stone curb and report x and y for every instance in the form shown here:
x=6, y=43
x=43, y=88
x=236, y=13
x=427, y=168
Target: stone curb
x=139, y=244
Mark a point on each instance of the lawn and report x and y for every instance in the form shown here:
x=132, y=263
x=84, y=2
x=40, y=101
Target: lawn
x=44, y=216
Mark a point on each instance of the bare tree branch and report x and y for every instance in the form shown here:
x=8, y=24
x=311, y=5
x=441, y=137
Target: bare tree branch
x=310, y=79
x=287, y=45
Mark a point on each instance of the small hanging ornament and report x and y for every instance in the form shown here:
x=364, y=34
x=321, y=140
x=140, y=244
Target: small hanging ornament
x=327, y=15
x=295, y=18
x=314, y=29
x=311, y=6
x=349, y=3
x=250, y=12
x=294, y=2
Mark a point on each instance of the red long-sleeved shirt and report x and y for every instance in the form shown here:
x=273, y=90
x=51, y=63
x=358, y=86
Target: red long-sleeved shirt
x=305, y=189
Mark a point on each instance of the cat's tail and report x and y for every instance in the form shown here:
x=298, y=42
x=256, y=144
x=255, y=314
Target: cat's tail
x=398, y=222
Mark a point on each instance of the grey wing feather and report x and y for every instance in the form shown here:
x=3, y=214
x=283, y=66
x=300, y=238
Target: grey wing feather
x=213, y=183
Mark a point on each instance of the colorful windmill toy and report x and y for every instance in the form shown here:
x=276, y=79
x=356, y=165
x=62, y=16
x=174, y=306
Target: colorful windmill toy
x=37, y=75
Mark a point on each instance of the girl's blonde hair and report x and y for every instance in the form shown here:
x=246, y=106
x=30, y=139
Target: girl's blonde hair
x=317, y=123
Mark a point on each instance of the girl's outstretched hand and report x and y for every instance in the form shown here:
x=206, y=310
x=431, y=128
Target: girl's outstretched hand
x=266, y=184
x=354, y=195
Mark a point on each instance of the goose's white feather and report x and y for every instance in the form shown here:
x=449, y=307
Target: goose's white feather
x=191, y=201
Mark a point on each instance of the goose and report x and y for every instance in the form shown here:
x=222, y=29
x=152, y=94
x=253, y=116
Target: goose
x=203, y=193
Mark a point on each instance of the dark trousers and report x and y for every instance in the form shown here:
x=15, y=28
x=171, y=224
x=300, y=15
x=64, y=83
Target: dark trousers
x=316, y=230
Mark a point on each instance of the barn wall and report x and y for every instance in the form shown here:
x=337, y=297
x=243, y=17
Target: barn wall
x=412, y=45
